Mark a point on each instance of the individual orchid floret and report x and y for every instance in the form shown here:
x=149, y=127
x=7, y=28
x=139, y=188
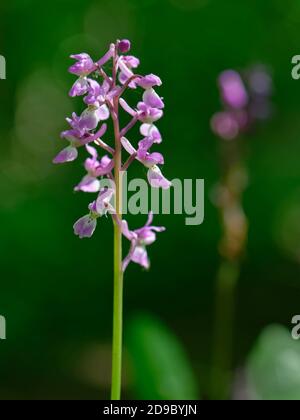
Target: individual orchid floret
x=147, y=114
x=126, y=64
x=129, y=61
x=95, y=169
x=149, y=81
x=91, y=117
x=143, y=155
x=149, y=160
x=80, y=87
x=77, y=138
x=140, y=239
x=143, y=113
x=86, y=225
x=152, y=99
x=149, y=110
x=97, y=94
x=80, y=124
x=83, y=66
x=102, y=205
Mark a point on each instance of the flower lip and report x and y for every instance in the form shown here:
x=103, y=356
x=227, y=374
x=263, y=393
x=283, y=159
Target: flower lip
x=156, y=178
x=80, y=87
x=85, y=226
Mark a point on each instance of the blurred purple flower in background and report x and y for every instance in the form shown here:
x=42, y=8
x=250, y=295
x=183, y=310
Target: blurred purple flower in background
x=233, y=90
x=246, y=100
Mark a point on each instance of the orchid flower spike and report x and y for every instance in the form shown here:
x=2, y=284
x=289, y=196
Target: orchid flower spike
x=102, y=85
x=102, y=94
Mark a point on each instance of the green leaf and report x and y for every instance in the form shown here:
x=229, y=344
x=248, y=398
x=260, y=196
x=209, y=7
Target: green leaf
x=161, y=369
x=273, y=367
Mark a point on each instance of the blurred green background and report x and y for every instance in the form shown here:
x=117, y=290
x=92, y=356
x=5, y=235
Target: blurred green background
x=55, y=290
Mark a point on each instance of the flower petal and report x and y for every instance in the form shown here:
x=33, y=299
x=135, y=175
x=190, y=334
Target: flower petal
x=150, y=159
x=85, y=226
x=89, y=119
x=127, y=108
x=83, y=66
x=80, y=87
x=68, y=154
x=92, y=151
x=106, y=56
x=128, y=146
x=140, y=256
x=129, y=234
x=156, y=178
x=150, y=130
x=103, y=201
x=152, y=99
x=103, y=113
x=88, y=184
x=149, y=81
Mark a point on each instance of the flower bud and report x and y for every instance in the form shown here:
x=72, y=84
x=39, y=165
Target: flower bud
x=124, y=46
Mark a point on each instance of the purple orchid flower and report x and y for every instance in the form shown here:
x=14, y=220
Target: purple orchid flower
x=126, y=64
x=245, y=100
x=140, y=238
x=97, y=94
x=149, y=160
x=80, y=87
x=95, y=169
x=77, y=137
x=149, y=110
x=91, y=117
x=86, y=225
x=83, y=66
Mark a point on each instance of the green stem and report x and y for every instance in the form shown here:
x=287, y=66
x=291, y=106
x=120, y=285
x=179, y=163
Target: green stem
x=116, y=380
x=221, y=378
x=117, y=316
